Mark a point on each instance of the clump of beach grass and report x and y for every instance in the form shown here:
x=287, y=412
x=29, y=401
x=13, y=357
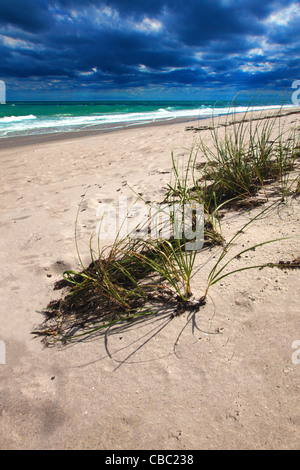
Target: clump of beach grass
x=246, y=156
x=124, y=281
x=132, y=280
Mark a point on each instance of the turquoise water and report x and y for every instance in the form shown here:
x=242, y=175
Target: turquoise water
x=35, y=118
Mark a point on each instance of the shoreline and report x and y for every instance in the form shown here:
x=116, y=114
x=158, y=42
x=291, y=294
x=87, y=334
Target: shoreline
x=25, y=140
x=16, y=141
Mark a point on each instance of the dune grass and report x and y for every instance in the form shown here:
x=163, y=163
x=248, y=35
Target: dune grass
x=129, y=279
x=245, y=158
x=135, y=277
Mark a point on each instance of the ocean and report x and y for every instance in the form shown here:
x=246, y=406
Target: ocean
x=37, y=117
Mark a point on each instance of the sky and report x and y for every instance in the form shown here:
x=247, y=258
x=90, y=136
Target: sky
x=147, y=49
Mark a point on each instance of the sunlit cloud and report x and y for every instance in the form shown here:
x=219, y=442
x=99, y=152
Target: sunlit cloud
x=284, y=16
x=149, y=24
x=259, y=67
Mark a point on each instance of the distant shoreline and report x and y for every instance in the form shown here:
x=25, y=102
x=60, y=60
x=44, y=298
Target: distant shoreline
x=22, y=140
x=25, y=140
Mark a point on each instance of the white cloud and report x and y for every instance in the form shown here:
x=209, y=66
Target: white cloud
x=255, y=52
x=265, y=48
x=149, y=25
x=285, y=16
x=199, y=55
x=91, y=72
x=16, y=43
x=254, y=68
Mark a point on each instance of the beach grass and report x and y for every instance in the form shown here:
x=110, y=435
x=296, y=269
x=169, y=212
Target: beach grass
x=246, y=157
x=135, y=277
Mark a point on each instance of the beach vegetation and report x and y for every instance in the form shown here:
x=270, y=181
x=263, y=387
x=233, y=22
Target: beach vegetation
x=136, y=277
x=245, y=158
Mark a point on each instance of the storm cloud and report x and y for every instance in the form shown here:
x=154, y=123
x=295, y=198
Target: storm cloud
x=135, y=47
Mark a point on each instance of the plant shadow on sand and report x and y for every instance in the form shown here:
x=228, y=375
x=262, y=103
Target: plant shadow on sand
x=125, y=339
x=128, y=340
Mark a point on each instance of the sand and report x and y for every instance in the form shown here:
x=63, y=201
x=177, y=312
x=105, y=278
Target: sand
x=230, y=381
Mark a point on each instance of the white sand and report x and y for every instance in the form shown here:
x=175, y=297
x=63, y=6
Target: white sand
x=230, y=384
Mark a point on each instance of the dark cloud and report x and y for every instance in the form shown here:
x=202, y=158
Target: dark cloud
x=208, y=21
x=123, y=44
x=30, y=15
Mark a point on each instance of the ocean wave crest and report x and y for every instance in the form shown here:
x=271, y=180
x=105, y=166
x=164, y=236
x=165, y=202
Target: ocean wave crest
x=17, y=118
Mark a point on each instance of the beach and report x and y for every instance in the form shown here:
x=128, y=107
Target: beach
x=226, y=379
